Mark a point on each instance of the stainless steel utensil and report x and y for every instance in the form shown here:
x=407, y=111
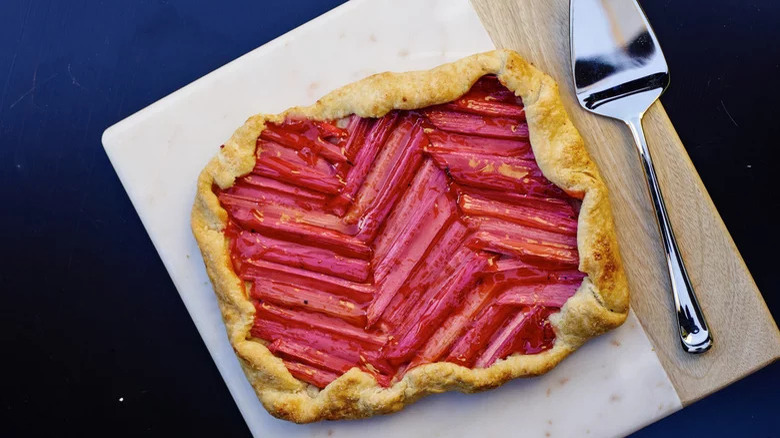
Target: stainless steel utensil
x=619, y=71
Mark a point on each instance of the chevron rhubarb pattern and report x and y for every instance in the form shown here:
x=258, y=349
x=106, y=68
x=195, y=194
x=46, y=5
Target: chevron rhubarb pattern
x=389, y=243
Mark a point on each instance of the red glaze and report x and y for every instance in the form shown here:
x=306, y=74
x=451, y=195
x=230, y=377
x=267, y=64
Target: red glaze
x=465, y=123
x=454, y=327
x=254, y=270
x=287, y=295
x=259, y=247
x=389, y=243
x=389, y=176
x=425, y=273
x=551, y=218
x=316, y=376
x=443, y=142
x=496, y=173
x=367, y=147
x=527, y=243
x=310, y=141
x=286, y=165
x=409, y=234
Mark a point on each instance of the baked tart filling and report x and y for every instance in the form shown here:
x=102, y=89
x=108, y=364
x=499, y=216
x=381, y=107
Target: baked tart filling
x=423, y=236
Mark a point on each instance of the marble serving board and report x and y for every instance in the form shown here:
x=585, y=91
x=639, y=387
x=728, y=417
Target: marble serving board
x=613, y=385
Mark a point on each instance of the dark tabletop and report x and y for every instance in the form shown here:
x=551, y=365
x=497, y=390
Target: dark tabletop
x=95, y=339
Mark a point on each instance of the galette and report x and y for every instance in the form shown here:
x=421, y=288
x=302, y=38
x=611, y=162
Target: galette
x=409, y=233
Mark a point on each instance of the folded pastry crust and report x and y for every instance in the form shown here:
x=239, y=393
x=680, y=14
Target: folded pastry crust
x=600, y=303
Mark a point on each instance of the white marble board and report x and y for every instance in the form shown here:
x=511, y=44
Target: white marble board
x=612, y=386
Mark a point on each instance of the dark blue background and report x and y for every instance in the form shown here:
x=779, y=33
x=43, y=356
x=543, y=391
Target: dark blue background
x=94, y=336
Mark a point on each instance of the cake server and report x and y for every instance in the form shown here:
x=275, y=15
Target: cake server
x=619, y=71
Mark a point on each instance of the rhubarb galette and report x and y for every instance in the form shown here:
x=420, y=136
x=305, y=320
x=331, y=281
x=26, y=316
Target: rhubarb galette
x=407, y=234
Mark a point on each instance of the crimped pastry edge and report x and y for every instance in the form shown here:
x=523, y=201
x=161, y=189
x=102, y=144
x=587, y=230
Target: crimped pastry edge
x=600, y=303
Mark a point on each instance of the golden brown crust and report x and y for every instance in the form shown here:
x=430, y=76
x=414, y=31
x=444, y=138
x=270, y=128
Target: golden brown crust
x=600, y=304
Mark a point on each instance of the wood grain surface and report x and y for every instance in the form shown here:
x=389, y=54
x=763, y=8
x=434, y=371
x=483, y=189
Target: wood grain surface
x=746, y=337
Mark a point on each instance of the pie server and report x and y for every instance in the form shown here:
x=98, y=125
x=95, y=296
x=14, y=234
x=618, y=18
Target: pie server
x=619, y=71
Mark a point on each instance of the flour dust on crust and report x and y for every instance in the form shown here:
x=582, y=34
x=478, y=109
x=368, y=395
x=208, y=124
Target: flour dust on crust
x=600, y=303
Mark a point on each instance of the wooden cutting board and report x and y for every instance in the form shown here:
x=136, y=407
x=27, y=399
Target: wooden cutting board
x=746, y=336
